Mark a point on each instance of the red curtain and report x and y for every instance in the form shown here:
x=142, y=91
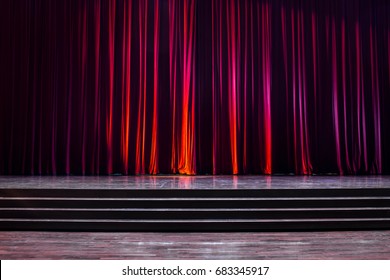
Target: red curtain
x=194, y=87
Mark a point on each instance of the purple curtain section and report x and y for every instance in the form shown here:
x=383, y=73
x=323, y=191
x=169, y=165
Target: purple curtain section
x=194, y=87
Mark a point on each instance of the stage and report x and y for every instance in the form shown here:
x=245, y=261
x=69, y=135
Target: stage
x=195, y=203
x=335, y=245
x=88, y=217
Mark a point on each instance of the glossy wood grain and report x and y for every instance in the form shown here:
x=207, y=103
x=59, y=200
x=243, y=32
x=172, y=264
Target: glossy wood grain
x=298, y=245
x=190, y=245
x=193, y=182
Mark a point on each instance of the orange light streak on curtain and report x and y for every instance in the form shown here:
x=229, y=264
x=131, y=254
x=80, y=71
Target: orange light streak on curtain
x=218, y=85
x=126, y=90
x=187, y=156
x=244, y=96
x=232, y=81
x=173, y=57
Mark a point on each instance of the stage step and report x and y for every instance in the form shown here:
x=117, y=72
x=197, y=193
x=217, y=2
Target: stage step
x=194, y=210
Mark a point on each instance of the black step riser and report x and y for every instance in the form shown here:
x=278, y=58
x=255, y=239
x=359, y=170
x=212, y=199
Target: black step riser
x=274, y=203
x=194, y=210
x=188, y=193
x=188, y=215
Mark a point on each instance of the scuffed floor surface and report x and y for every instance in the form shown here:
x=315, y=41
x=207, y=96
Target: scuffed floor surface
x=106, y=245
x=193, y=182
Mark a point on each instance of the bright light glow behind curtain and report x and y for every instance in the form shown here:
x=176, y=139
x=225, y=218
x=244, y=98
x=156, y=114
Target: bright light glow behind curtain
x=194, y=87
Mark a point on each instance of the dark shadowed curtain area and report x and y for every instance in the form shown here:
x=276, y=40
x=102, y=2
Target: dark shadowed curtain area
x=194, y=87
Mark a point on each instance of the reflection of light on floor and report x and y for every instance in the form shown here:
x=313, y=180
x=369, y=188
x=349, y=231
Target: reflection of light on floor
x=109, y=245
x=185, y=182
x=268, y=180
x=193, y=182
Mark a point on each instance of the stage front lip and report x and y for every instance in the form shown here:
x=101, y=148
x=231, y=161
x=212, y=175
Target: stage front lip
x=194, y=203
x=172, y=182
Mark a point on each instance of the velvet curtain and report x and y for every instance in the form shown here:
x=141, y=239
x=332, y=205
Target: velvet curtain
x=194, y=87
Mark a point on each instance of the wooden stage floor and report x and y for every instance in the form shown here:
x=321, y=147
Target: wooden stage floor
x=360, y=245
x=80, y=244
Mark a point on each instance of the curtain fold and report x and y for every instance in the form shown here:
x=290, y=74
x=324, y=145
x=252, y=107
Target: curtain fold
x=191, y=87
